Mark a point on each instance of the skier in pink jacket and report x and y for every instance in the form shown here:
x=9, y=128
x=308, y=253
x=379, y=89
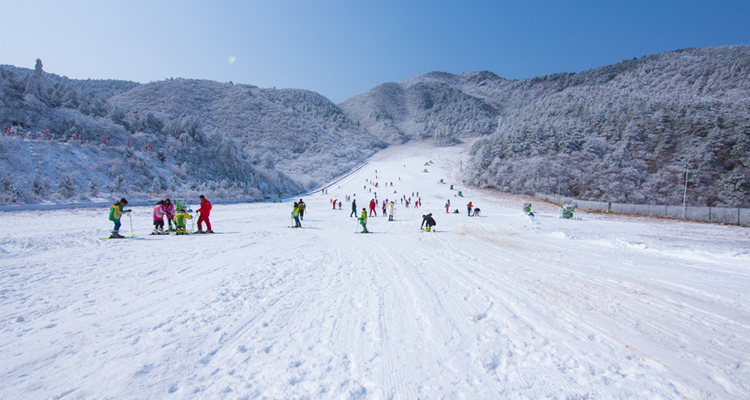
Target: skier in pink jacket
x=159, y=214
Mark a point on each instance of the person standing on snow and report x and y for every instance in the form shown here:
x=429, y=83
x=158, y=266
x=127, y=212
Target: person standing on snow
x=391, y=207
x=428, y=221
x=115, y=213
x=295, y=215
x=363, y=220
x=204, y=211
x=469, y=207
x=354, y=208
x=302, y=207
x=159, y=218
x=372, y=207
x=170, y=212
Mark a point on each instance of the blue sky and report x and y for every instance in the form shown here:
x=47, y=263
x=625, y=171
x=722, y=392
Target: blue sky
x=343, y=48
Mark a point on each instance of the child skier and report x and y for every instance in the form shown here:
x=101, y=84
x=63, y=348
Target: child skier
x=159, y=218
x=169, y=210
x=391, y=207
x=115, y=213
x=179, y=219
x=204, y=210
x=363, y=220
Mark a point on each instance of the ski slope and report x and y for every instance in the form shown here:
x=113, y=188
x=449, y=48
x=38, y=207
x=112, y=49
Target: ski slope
x=488, y=307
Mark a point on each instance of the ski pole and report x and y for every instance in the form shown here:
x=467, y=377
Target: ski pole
x=192, y=227
x=131, y=222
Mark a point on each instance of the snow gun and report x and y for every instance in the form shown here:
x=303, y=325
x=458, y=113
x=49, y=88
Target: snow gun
x=567, y=211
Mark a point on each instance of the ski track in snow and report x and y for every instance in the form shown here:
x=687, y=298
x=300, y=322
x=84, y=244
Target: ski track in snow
x=496, y=306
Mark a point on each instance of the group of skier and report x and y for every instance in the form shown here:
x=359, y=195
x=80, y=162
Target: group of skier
x=176, y=217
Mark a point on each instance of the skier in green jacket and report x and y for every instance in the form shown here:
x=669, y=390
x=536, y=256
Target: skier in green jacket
x=363, y=220
x=115, y=213
x=295, y=215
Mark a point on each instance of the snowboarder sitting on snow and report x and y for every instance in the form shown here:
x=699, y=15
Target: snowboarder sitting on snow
x=159, y=218
x=295, y=215
x=179, y=220
x=204, y=210
x=115, y=213
x=363, y=220
x=428, y=222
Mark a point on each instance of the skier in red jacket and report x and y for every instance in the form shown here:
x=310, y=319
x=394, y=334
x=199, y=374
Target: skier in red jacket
x=204, y=211
x=372, y=208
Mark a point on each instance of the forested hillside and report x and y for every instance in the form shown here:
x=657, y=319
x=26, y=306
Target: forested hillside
x=300, y=132
x=72, y=140
x=611, y=133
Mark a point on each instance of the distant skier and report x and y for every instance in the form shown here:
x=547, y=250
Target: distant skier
x=354, y=208
x=447, y=207
x=204, y=211
x=302, y=207
x=428, y=222
x=469, y=207
x=384, y=207
x=372, y=207
x=115, y=213
x=363, y=220
x=159, y=218
x=295, y=216
x=334, y=203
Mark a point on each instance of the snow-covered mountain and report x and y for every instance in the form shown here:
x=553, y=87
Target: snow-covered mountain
x=302, y=133
x=611, y=133
x=71, y=140
x=430, y=106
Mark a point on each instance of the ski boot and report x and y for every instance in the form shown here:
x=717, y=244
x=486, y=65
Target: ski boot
x=115, y=235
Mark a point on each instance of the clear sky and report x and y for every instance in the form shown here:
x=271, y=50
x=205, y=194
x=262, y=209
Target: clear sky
x=341, y=48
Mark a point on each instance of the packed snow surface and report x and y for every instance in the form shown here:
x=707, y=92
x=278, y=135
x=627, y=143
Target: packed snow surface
x=495, y=306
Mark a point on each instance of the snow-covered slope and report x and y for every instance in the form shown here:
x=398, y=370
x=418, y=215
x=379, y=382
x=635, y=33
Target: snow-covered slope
x=488, y=307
